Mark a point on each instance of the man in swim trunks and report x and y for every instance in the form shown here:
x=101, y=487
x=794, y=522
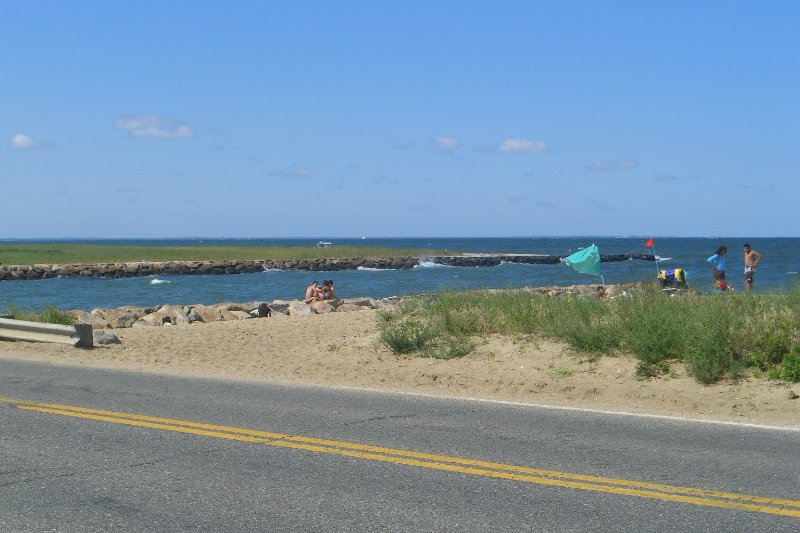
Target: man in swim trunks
x=311, y=293
x=751, y=259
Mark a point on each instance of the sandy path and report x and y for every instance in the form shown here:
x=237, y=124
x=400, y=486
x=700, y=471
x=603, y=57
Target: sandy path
x=342, y=349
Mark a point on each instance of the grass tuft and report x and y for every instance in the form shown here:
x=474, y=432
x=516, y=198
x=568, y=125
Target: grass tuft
x=713, y=335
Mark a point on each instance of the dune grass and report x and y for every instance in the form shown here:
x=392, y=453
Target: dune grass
x=714, y=335
x=50, y=315
x=57, y=253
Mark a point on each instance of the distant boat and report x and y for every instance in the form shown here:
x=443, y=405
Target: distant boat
x=363, y=237
x=324, y=244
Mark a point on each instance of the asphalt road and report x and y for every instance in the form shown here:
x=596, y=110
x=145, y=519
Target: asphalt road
x=66, y=467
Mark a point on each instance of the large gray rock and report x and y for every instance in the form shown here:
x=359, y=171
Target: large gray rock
x=322, y=307
x=347, y=307
x=105, y=337
x=300, y=309
x=122, y=317
x=82, y=317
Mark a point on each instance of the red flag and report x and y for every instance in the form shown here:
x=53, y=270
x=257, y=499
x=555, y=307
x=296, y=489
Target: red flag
x=649, y=242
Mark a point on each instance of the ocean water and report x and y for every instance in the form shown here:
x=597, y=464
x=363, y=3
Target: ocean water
x=777, y=271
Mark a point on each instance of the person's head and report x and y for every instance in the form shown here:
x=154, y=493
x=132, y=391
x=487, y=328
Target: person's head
x=721, y=250
x=601, y=291
x=314, y=283
x=747, y=248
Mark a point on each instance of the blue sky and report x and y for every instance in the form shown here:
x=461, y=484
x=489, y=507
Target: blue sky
x=378, y=118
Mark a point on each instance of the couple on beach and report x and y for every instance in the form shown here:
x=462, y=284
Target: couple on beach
x=751, y=259
x=315, y=293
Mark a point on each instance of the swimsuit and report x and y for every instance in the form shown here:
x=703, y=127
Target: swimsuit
x=749, y=270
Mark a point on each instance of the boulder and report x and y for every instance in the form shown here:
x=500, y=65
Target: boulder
x=82, y=317
x=105, y=337
x=214, y=314
x=174, y=313
x=300, y=309
x=241, y=315
x=322, y=307
x=279, y=306
x=122, y=317
x=344, y=308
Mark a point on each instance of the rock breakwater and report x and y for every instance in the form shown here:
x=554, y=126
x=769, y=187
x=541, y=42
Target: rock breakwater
x=153, y=268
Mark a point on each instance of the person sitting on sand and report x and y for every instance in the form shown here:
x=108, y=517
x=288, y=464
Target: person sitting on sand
x=601, y=292
x=312, y=293
x=327, y=290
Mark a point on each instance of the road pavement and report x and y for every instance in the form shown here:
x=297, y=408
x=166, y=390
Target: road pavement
x=95, y=450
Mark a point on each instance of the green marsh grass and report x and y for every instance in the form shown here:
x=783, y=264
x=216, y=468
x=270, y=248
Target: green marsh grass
x=50, y=315
x=62, y=253
x=714, y=335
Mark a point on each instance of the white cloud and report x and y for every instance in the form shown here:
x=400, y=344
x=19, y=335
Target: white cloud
x=446, y=144
x=21, y=141
x=153, y=127
x=619, y=164
x=666, y=177
x=521, y=145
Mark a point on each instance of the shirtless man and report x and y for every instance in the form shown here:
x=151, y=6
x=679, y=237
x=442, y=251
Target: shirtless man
x=311, y=293
x=751, y=259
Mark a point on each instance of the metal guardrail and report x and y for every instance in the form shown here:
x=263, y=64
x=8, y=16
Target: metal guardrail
x=21, y=330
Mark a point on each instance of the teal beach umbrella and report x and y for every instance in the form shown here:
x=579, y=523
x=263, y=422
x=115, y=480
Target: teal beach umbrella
x=586, y=261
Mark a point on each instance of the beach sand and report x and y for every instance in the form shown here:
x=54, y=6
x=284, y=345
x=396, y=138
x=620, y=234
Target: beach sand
x=342, y=350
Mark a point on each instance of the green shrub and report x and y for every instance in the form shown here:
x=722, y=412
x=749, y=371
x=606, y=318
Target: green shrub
x=653, y=325
x=406, y=336
x=790, y=366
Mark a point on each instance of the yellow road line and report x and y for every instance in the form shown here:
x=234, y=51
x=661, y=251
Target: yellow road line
x=690, y=495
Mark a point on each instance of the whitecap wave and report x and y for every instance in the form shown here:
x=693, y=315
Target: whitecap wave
x=659, y=258
x=792, y=273
x=157, y=281
x=429, y=264
x=274, y=270
x=370, y=269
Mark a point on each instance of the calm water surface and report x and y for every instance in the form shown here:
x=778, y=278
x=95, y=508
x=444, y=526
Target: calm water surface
x=778, y=270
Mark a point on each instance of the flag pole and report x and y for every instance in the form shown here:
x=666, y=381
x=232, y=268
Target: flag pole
x=655, y=257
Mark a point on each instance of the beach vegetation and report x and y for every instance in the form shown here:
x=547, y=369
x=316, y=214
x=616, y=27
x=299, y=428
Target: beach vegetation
x=49, y=315
x=69, y=253
x=714, y=336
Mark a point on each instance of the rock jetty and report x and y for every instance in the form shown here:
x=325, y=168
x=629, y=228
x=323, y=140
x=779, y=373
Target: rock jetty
x=153, y=268
x=172, y=315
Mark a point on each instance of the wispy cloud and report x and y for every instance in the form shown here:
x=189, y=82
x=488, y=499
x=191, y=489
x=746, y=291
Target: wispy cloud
x=521, y=145
x=21, y=141
x=153, y=127
x=543, y=204
x=606, y=164
x=406, y=146
x=514, y=200
x=384, y=180
x=446, y=144
x=298, y=172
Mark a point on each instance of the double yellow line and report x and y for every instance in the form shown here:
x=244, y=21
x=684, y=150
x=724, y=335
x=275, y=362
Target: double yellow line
x=625, y=487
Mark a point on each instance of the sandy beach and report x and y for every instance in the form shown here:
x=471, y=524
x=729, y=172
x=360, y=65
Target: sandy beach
x=342, y=350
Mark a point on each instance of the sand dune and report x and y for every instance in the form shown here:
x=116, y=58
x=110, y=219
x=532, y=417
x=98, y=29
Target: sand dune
x=342, y=349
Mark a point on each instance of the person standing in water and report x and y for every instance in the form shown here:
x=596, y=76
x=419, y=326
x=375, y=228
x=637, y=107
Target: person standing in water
x=751, y=259
x=718, y=267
